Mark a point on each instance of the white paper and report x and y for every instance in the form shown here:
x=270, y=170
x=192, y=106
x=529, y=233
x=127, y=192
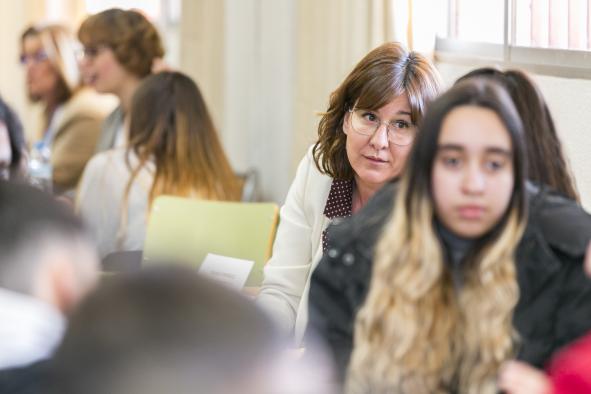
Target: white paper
x=227, y=270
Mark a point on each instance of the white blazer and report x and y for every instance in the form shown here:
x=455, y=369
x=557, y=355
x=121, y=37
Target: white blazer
x=297, y=249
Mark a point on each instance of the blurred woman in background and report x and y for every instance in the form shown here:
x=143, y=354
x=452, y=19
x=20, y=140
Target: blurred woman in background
x=173, y=149
x=72, y=115
x=120, y=49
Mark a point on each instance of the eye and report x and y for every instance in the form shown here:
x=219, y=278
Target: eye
x=400, y=124
x=451, y=161
x=494, y=165
x=370, y=117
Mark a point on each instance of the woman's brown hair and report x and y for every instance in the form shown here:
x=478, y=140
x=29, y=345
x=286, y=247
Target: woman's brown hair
x=383, y=74
x=132, y=38
x=170, y=124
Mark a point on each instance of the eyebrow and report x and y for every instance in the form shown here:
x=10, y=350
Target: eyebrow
x=397, y=113
x=458, y=148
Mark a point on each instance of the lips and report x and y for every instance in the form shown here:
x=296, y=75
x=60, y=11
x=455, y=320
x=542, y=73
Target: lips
x=376, y=160
x=471, y=212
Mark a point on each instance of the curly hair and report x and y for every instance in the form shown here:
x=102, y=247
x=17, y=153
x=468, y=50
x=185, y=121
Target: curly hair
x=132, y=38
x=417, y=333
x=383, y=74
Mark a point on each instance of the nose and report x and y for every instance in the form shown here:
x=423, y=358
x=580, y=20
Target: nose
x=379, y=139
x=474, y=180
x=30, y=70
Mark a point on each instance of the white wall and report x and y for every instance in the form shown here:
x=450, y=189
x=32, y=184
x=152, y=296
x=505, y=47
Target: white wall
x=569, y=101
x=258, y=90
x=241, y=53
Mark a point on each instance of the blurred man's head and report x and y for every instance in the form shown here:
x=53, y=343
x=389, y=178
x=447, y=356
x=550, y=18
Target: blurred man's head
x=168, y=330
x=45, y=251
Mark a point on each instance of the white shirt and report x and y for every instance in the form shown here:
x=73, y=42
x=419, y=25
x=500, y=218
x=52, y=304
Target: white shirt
x=100, y=201
x=30, y=329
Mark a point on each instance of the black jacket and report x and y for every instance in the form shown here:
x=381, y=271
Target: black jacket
x=554, y=307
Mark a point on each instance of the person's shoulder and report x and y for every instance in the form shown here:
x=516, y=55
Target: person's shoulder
x=563, y=222
x=309, y=174
x=113, y=158
x=86, y=103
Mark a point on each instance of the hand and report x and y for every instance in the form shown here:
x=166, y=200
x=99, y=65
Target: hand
x=520, y=378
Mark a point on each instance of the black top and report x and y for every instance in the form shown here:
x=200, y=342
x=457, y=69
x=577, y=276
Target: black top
x=555, y=294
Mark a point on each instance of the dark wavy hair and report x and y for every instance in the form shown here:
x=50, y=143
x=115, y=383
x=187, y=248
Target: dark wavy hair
x=170, y=124
x=132, y=38
x=383, y=74
x=547, y=164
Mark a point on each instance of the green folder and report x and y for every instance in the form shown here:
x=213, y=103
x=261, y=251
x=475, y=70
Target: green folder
x=185, y=230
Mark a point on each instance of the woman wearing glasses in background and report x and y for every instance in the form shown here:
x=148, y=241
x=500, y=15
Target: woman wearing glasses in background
x=364, y=139
x=72, y=115
x=120, y=50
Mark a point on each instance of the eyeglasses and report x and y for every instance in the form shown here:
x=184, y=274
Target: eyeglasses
x=366, y=123
x=91, y=52
x=33, y=58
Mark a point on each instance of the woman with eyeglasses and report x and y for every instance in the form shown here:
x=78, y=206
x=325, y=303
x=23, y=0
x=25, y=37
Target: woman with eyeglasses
x=364, y=138
x=121, y=48
x=72, y=114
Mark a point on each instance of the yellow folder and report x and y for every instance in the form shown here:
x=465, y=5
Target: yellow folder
x=185, y=230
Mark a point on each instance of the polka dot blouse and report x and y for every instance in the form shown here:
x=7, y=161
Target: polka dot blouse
x=339, y=203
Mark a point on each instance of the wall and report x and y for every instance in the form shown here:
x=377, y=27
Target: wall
x=241, y=53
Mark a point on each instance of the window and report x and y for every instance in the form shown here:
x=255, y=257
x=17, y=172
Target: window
x=546, y=36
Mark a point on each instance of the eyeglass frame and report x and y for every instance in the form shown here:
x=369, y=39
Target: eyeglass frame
x=33, y=58
x=380, y=123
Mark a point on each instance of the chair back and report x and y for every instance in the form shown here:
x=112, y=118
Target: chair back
x=249, y=184
x=186, y=230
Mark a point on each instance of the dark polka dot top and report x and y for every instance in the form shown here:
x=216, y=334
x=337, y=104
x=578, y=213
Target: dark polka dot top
x=339, y=203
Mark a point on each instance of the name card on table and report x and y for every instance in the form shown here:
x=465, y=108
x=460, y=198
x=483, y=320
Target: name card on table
x=230, y=271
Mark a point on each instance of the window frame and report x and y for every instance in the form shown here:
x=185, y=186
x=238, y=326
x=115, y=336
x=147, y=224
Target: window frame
x=565, y=63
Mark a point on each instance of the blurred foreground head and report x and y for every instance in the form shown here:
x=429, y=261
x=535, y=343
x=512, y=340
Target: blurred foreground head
x=170, y=330
x=45, y=250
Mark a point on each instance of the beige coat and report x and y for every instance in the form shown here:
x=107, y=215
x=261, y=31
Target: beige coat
x=76, y=133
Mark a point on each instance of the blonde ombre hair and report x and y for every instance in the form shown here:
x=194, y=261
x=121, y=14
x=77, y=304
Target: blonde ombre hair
x=416, y=333
x=171, y=126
